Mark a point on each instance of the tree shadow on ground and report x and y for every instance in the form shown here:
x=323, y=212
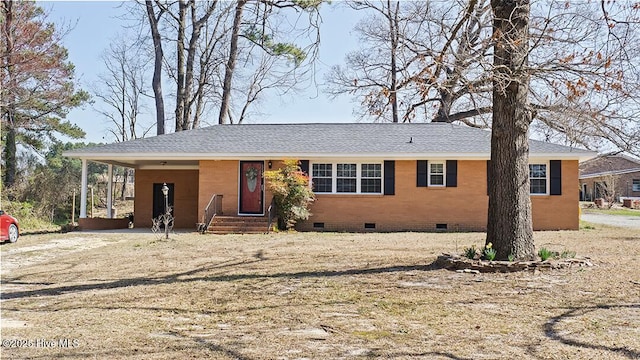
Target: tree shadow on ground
x=188, y=276
x=429, y=355
x=187, y=311
x=551, y=331
x=217, y=350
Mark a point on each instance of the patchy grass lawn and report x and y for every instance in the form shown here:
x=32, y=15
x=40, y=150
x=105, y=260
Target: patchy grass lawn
x=612, y=211
x=314, y=295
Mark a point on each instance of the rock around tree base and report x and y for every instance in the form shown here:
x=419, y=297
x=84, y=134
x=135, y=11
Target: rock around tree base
x=456, y=262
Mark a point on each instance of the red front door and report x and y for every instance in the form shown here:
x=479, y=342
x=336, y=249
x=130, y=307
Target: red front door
x=251, y=187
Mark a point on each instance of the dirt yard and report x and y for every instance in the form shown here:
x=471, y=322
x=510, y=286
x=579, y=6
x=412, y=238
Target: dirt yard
x=313, y=296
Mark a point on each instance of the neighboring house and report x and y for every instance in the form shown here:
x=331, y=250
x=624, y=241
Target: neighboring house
x=617, y=173
x=382, y=177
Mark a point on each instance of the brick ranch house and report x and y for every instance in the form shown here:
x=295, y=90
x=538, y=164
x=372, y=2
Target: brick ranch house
x=618, y=172
x=382, y=177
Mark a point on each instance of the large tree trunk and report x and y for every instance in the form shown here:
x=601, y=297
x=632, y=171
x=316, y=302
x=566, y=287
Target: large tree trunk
x=393, y=27
x=446, y=100
x=9, y=110
x=10, y=168
x=125, y=178
x=509, y=225
x=157, y=67
x=231, y=63
x=180, y=69
x=189, y=99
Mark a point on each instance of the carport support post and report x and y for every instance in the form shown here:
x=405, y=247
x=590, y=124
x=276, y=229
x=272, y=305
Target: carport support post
x=83, y=191
x=109, y=191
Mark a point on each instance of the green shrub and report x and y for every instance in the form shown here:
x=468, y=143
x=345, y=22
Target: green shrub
x=566, y=254
x=489, y=252
x=545, y=253
x=511, y=257
x=27, y=216
x=292, y=193
x=470, y=252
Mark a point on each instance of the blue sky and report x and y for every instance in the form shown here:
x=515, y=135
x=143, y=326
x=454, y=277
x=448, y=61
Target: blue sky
x=96, y=23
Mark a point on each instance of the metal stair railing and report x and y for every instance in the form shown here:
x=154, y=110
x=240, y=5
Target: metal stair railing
x=271, y=211
x=214, y=207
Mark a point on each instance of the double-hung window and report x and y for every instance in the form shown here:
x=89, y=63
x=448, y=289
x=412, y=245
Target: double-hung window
x=371, y=178
x=636, y=185
x=436, y=173
x=538, y=179
x=347, y=178
x=322, y=178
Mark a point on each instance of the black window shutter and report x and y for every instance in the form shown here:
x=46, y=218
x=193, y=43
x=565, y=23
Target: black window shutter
x=452, y=173
x=389, y=177
x=304, y=166
x=488, y=175
x=421, y=173
x=555, y=172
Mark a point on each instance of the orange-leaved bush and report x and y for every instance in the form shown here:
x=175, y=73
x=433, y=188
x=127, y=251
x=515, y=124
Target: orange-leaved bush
x=291, y=192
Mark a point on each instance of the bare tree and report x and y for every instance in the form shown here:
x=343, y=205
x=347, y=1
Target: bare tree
x=186, y=54
x=582, y=66
x=584, y=72
x=231, y=61
x=272, y=57
x=606, y=188
x=179, y=25
x=121, y=90
x=211, y=37
x=509, y=226
x=425, y=53
x=263, y=76
x=154, y=19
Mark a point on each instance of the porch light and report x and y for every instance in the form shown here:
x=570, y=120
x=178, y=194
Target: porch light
x=167, y=213
x=270, y=164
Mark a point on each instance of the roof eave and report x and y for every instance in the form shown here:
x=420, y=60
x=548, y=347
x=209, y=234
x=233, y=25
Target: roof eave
x=581, y=156
x=610, y=173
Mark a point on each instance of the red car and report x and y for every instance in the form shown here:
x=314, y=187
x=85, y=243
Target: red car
x=8, y=227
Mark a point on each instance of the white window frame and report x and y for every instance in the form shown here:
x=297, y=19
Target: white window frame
x=444, y=173
x=333, y=172
x=362, y=177
x=635, y=185
x=334, y=176
x=356, y=178
x=547, y=178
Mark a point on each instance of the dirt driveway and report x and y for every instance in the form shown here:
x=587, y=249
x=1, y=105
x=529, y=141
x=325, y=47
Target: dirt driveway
x=32, y=250
x=19, y=255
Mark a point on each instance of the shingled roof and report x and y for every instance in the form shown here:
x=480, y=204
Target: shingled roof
x=609, y=165
x=391, y=141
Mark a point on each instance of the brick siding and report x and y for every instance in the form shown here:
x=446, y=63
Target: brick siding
x=412, y=208
x=185, y=198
